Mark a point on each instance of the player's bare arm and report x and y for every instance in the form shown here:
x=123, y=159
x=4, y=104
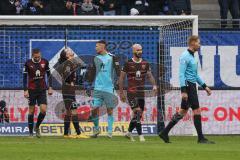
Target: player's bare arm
x=121, y=80
x=153, y=82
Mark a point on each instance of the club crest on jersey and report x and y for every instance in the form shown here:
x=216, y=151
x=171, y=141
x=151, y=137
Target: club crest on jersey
x=42, y=65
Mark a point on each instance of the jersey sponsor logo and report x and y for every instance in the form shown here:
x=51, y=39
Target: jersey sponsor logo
x=102, y=66
x=138, y=74
x=38, y=75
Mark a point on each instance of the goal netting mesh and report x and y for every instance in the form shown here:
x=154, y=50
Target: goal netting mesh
x=159, y=36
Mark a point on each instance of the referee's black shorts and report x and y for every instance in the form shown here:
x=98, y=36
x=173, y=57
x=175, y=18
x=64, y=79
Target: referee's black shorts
x=192, y=100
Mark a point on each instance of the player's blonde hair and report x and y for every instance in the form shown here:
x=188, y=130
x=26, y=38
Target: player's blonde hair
x=192, y=38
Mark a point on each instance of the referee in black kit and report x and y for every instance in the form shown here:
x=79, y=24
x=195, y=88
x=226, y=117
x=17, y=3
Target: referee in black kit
x=188, y=76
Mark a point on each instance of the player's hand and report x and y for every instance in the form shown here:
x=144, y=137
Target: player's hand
x=26, y=94
x=6, y=117
x=185, y=96
x=111, y=5
x=208, y=90
x=88, y=92
x=155, y=91
x=50, y=91
x=122, y=97
x=102, y=2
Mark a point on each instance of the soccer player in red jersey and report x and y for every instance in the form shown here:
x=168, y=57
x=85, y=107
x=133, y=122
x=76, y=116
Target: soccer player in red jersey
x=34, y=74
x=136, y=70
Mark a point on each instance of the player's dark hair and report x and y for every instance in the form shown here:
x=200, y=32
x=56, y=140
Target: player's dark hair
x=103, y=42
x=63, y=57
x=35, y=51
x=192, y=38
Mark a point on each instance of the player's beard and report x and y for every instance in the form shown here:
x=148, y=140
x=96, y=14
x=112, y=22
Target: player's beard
x=36, y=60
x=138, y=55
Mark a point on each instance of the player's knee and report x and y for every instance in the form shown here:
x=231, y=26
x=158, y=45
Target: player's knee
x=177, y=117
x=183, y=112
x=30, y=113
x=95, y=112
x=197, y=111
x=31, y=110
x=67, y=118
x=68, y=112
x=43, y=110
x=74, y=112
x=110, y=112
x=135, y=110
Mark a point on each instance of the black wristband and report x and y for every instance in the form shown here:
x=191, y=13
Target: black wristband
x=204, y=86
x=184, y=89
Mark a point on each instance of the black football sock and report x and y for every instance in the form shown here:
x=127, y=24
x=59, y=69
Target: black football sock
x=30, y=123
x=132, y=124
x=41, y=117
x=76, y=124
x=138, y=124
x=175, y=119
x=198, y=126
x=66, y=124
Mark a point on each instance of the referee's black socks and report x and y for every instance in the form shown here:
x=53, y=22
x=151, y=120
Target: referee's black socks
x=41, y=117
x=198, y=125
x=30, y=123
x=175, y=119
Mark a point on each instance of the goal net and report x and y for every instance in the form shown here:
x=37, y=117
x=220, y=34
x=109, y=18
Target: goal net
x=163, y=38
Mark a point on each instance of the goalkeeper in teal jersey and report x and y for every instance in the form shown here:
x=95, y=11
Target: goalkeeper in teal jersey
x=101, y=73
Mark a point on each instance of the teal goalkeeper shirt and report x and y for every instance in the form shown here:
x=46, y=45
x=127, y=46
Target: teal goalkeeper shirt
x=189, y=70
x=104, y=73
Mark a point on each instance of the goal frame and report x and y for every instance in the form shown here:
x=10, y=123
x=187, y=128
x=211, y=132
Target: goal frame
x=94, y=20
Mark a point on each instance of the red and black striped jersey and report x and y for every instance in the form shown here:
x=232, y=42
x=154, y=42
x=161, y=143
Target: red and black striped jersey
x=36, y=74
x=136, y=74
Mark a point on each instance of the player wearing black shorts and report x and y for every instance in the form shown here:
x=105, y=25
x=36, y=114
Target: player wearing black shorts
x=188, y=76
x=34, y=74
x=67, y=70
x=136, y=70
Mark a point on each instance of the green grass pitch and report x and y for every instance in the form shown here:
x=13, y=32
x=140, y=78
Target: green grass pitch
x=118, y=148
